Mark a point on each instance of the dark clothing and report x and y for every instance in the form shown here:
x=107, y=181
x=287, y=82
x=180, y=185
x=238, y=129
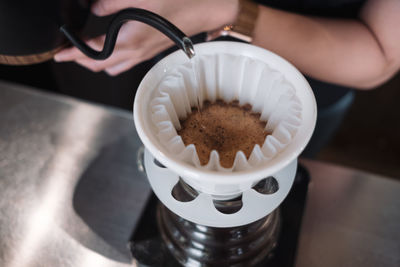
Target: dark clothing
x=322, y=8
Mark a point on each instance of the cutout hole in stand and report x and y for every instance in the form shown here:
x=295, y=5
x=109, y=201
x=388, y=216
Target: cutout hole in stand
x=267, y=186
x=229, y=206
x=159, y=164
x=183, y=192
x=140, y=159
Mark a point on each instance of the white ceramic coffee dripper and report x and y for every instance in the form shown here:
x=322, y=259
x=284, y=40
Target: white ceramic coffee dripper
x=217, y=185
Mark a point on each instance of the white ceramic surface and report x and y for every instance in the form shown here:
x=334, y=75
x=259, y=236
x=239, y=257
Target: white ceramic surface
x=201, y=210
x=214, y=182
x=249, y=82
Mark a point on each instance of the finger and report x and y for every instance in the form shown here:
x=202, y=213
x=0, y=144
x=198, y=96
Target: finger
x=120, y=68
x=89, y=64
x=74, y=53
x=68, y=54
x=99, y=65
x=107, y=7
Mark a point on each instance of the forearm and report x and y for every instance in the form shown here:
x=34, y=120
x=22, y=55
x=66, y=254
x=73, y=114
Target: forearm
x=334, y=50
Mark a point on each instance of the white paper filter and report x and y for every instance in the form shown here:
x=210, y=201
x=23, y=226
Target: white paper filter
x=226, y=77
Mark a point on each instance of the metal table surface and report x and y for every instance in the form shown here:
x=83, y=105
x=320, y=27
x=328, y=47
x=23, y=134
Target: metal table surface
x=71, y=193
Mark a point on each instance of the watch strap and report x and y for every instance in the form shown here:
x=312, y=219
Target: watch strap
x=243, y=27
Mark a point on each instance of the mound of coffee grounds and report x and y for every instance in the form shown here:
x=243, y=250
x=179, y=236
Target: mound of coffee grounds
x=225, y=127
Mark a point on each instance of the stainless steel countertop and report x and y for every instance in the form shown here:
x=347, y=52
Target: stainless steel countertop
x=71, y=193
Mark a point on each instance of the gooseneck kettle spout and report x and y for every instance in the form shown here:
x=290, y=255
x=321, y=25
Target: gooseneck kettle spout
x=150, y=18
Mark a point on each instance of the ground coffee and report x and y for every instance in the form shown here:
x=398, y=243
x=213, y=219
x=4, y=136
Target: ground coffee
x=225, y=127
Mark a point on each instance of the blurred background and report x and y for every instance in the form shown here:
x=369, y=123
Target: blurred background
x=369, y=137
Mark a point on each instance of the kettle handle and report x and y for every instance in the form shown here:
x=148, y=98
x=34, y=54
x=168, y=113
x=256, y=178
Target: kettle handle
x=150, y=18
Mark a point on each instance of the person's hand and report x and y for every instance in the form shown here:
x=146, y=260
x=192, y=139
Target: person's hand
x=138, y=42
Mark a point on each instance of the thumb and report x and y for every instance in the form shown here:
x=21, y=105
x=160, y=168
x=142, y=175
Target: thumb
x=108, y=7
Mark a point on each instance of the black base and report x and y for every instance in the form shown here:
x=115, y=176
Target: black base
x=148, y=248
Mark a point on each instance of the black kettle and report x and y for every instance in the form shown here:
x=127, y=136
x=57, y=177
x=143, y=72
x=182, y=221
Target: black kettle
x=33, y=31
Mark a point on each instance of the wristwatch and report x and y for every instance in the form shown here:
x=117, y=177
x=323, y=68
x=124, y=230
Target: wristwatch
x=243, y=27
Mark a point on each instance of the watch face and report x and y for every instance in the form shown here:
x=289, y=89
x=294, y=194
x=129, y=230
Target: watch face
x=228, y=35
